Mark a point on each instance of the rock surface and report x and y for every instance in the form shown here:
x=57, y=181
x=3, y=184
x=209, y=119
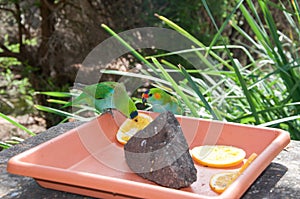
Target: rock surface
x=160, y=153
x=279, y=180
x=14, y=186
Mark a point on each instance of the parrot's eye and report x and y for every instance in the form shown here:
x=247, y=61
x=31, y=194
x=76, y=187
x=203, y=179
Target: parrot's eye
x=150, y=95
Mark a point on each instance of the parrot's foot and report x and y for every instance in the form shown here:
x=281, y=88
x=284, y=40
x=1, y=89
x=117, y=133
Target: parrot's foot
x=108, y=111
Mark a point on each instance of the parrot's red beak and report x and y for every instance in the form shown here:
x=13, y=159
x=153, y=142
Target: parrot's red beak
x=145, y=96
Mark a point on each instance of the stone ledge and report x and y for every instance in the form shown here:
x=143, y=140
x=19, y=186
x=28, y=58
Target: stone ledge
x=280, y=179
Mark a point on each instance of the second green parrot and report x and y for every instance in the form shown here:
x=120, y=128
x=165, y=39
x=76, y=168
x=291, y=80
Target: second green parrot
x=161, y=101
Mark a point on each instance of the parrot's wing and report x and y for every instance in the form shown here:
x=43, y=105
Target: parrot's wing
x=180, y=108
x=123, y=102
x=100, y=90
x=81, y=99
x=103, y=104
x=175, y=106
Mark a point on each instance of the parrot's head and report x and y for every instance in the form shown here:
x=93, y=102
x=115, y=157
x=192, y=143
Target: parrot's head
x=152, y=95
x=133, y=115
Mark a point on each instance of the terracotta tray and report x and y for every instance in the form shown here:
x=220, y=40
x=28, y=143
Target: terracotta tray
x=89, y=161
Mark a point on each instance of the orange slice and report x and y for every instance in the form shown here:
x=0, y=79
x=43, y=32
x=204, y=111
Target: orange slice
x=220, y=181
x=130, y=127
x=219, y=156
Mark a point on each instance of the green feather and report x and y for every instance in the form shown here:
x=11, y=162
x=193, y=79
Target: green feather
x=100, y=90
x=81, y=99
x=106, y=95
x=123, y=102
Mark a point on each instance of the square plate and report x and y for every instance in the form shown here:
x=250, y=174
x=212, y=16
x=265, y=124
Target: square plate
x=88, y=160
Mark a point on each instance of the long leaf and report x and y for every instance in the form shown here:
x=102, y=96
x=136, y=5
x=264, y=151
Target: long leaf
x=196, y=89
x=260, y=34
x=5, y=145
x=273, y=30
x=17, y=124
x=55, y=94
x=297, y=9
x=133, y=51
x=282, y=120
x=57, y=101
x=191, y=38
x=143, y=76
x=241, y=80
x=59, y=112
x=225, y=23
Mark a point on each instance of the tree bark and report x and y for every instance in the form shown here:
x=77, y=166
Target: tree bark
x=47, y=29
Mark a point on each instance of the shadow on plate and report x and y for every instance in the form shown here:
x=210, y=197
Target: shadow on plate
x=263, y=185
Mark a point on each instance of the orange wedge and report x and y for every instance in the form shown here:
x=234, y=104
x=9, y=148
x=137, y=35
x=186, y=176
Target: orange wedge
x=130, y=127
x=220, y=181
x=219, y=156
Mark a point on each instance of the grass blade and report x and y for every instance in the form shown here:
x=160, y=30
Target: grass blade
x=142, y=76
x=261, y=36
x=195, y=88
x=57, y=101
x=271, y=24
x=225, y=23
x=17, y=124
x=241, y=79
x=59, y=112
x=133, y=51
x=297, y=9
x=180, y=30
x=282, y=120
x=55, y=94
x=191, y=38
x=4, y=145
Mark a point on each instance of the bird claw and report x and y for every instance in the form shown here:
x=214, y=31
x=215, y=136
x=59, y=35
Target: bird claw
x=108, y=111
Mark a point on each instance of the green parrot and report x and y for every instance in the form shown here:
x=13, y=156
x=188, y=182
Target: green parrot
x=161, y=101
x=106, y=95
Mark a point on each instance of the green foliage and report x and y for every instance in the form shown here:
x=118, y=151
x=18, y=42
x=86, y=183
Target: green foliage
x=16, y=95
x=189, y=14
x=278, y=60
x=13, y=140
x=6, y=62
x=16, y=124
x=264, y=92
x=259, y=85
x=9, y=143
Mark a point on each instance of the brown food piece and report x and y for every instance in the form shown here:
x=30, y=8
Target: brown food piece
x=160, y=153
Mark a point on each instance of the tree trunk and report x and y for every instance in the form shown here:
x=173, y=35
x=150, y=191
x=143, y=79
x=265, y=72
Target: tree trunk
x=47, y=29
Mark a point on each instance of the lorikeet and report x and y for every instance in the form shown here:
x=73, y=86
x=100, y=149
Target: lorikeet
x=106, y=95
x=161, y=101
